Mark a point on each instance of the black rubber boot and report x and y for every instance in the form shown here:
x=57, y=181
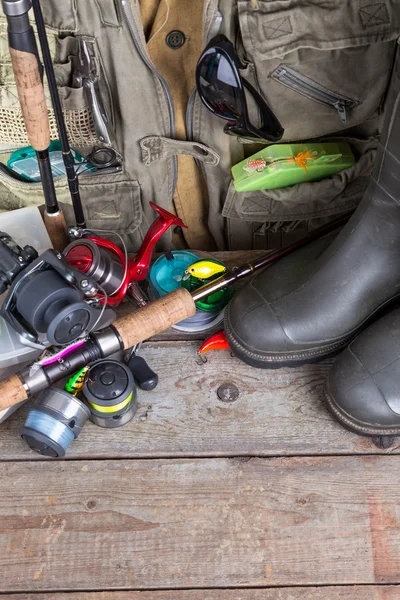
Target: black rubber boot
x=363, y=387
x=294, y=313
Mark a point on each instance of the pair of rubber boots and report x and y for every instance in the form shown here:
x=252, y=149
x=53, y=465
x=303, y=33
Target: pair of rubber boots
x=316, y=302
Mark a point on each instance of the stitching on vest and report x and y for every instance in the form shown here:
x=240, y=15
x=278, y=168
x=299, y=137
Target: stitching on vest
x=277, y=28
x=374, y=14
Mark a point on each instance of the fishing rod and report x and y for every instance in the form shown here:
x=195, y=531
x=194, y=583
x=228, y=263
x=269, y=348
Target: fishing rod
x=141, y=325
x=28, y=73
x=67, y=155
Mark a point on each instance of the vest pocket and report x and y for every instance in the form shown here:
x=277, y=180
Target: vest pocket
x=110, y=202
x=60, y=15
x=322, y=66
x=288, y=209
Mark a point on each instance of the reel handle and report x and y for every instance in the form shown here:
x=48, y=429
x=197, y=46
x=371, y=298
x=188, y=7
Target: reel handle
x=139, y=266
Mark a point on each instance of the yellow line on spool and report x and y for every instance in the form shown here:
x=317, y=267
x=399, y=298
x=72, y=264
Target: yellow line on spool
x=111, y=409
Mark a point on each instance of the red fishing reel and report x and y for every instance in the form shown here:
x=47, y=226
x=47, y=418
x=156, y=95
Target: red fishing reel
x=107, y=264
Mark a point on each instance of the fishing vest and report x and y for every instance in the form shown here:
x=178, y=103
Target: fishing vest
x=323, y=68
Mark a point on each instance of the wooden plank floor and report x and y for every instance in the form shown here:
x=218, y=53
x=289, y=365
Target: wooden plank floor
x=265, y=498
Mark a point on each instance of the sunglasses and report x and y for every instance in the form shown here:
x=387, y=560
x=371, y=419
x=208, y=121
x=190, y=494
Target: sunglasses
x=222, y=91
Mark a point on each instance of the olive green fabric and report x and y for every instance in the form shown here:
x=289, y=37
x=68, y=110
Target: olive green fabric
x=342, y=46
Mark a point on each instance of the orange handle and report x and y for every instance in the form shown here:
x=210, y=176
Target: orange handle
x=31, y=97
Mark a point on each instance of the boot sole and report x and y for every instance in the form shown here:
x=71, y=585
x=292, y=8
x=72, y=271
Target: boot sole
x=354, y=425
x=306, y=357
x=291, y=360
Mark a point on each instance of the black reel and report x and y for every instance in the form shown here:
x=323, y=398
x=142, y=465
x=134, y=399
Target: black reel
x=13, y=259
x=49, y=302
x=110, y=392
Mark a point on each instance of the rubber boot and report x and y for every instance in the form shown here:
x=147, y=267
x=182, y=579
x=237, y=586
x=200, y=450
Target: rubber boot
x=275, y=321
x=363, y=390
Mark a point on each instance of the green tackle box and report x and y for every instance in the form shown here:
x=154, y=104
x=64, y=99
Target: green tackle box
x=281, y=165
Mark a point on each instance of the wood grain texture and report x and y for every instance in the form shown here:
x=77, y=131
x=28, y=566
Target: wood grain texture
x=100, y=525
x=31, y=98
x=323, y=593
x=278, y=412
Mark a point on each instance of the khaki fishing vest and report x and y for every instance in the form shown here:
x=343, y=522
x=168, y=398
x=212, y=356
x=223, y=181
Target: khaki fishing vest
x=338, y=53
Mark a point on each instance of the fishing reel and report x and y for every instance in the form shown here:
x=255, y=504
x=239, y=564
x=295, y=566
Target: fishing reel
x=57, y=417
x=54, y=422
x=13, y=259
x=49, y=302
x=105, y=263
x=110, y=392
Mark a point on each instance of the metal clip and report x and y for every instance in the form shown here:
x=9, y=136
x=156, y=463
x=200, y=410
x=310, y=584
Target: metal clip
x=86, y=75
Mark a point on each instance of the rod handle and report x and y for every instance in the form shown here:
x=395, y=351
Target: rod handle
x=155, y=317
x=12, y=392
x=57, y=229
x=31, y=97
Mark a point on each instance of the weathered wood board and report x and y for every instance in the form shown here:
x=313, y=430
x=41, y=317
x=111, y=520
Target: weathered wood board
x=322, y=593
x=142, y=524
x=278, y=412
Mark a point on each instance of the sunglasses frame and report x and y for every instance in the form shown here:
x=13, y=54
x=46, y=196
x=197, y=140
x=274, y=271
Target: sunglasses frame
x=242, y=126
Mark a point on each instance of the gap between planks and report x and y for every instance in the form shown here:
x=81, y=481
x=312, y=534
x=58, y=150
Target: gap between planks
x=367, y=592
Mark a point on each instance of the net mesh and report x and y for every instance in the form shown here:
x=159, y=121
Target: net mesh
x=79, y=126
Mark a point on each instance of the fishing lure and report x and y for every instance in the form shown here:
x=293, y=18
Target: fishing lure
x=217, y=341
x=77, y=381
x=204, y=269
x=50, y=358
x=256, y=165
x=301, y=158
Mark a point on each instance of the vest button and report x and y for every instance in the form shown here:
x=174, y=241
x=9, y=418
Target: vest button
x=175, y=39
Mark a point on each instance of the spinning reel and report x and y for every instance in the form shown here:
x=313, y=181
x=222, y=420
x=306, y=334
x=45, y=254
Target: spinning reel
x=49, y=302
x=105, y=263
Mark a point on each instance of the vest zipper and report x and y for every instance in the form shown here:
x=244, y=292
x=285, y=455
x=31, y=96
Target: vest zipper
x=309, y=88
x=130, y=21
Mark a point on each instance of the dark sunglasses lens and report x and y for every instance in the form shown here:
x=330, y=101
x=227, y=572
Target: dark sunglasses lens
x=219, y=85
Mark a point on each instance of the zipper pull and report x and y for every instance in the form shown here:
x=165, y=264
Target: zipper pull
x=340, y=106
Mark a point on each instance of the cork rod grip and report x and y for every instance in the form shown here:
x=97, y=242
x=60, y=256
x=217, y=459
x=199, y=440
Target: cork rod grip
x=57, y=230
x=11, y=392
x=155, y=317
x=31, y=97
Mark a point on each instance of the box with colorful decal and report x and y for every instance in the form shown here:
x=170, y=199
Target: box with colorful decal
x=282, y=165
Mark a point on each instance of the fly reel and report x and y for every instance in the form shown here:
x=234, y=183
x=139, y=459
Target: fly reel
x=54, y=421
x=110, y=392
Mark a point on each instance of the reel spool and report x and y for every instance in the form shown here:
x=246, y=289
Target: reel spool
x=52, y=307
x=97, y=263
x=51, y=303
x=54, y=421
x=110, y=392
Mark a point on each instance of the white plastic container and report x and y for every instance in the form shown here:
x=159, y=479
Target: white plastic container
x=26, y=227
